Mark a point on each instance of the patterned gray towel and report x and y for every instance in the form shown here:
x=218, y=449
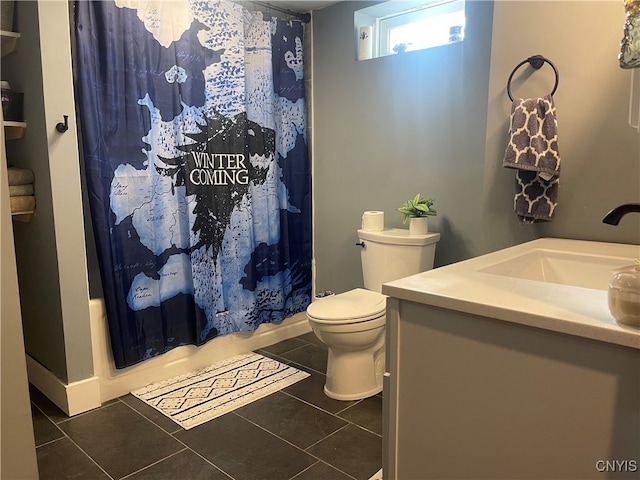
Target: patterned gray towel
x=533, y=151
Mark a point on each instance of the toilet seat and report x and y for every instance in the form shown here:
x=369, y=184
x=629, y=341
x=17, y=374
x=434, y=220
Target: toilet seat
x=354, y=306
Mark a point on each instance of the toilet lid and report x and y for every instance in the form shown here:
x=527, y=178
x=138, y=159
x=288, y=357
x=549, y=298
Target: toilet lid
x=357, y=305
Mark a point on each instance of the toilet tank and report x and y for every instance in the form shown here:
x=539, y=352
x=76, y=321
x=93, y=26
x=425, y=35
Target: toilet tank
x=392, y=253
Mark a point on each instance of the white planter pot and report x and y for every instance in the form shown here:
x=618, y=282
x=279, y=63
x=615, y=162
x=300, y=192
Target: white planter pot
x=418, y=225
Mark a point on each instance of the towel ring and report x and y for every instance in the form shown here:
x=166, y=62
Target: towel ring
x=536, y=62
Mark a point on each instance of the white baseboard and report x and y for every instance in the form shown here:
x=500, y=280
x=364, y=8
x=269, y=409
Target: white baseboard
x=73, y=398
x=109, y=383
x=181, y=360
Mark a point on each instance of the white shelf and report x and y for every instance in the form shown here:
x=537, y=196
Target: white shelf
x=14, y=130
x=25, y=217
x=10, y=41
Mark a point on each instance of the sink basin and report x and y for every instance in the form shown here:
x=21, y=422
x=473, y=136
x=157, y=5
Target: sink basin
x=556, y=284
x=561, y=267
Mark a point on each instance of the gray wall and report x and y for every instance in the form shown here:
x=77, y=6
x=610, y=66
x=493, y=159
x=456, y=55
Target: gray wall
x=600, y=152
x=36, y=242
x=436, y=122
x=388, y=128
x=50, y=250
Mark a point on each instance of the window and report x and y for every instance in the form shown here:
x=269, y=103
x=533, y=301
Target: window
x=402, y=26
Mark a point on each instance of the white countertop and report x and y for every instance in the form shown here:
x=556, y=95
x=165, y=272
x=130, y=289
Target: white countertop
x=567, y=309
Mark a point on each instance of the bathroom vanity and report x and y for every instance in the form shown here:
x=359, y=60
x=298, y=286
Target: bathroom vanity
x=510, y=365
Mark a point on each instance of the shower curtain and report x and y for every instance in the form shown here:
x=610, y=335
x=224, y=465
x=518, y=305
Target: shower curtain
x=192, y=119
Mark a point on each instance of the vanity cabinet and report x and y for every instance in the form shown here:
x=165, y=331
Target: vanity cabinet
x=469, y=396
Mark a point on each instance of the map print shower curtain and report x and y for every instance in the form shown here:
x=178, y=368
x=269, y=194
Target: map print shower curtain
x=192, y=117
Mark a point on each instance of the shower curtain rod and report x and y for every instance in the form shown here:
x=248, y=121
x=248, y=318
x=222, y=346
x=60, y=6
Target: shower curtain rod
x=304, y=16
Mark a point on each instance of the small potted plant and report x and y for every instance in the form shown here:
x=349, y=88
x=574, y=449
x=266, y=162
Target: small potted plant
x=416, y=211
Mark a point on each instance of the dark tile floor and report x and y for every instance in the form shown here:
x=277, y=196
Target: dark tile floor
x=296, y=433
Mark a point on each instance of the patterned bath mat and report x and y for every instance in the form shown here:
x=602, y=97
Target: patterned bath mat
x=200, y=396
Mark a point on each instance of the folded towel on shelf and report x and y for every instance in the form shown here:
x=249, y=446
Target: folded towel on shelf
x=19, y=190
x=20, y=176
x=533, y=151
x=22, y=204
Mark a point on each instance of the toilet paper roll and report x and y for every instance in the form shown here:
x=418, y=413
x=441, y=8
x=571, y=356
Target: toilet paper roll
x=365, y=43
x=373, y=221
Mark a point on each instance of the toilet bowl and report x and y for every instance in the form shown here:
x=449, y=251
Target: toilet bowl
x=352, y=324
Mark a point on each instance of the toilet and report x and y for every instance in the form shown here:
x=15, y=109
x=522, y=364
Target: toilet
x=352, y=324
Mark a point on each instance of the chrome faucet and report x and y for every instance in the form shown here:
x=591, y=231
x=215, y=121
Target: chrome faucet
x=614, y=216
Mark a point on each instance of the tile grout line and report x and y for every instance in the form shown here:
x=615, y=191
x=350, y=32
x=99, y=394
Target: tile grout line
x=347, y=422
x=152, y=464
x=297, y=475
x=334, y=414
x=337, y=413
x=297, y=447
x=330, y=435
x=72, y=442
x=49, y=419
x=172, y=435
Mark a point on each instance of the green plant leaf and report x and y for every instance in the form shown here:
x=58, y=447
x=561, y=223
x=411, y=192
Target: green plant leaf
x=416, y=207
